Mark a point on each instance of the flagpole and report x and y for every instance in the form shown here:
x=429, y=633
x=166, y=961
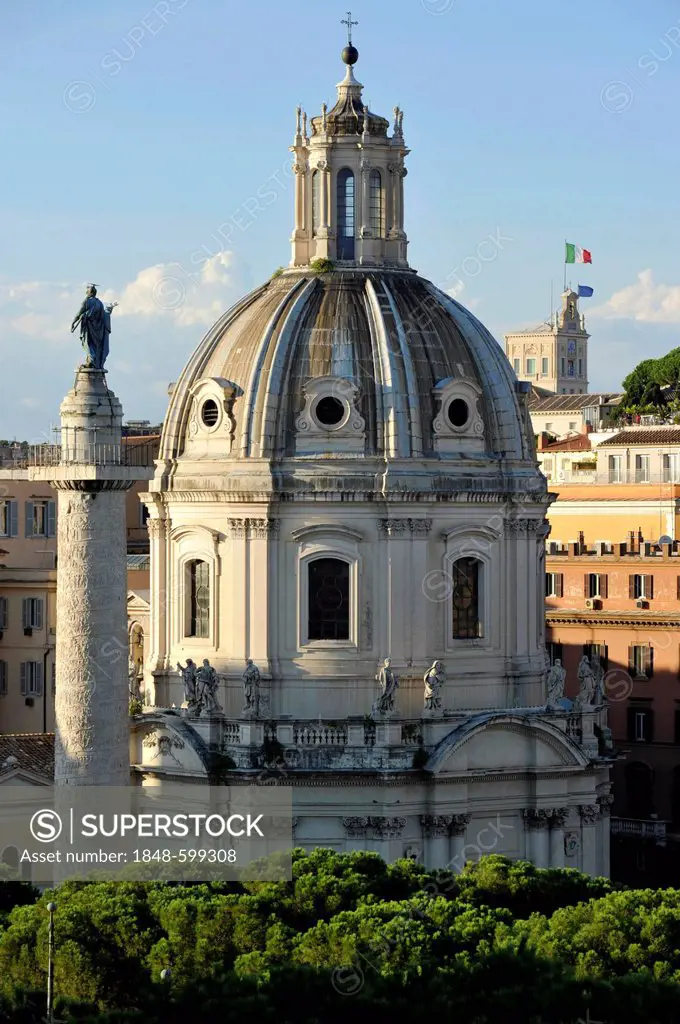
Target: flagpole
x=565, y=265
x=551, y=302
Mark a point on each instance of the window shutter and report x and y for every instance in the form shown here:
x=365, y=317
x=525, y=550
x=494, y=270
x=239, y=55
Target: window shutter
x=649, y=586
x=631, y=587
x=28, y=508
x=23, y=678
x=38, y=613
x=604, y=585
x=649, y=661
x=26, y=612
x=38, y=679
x=3, y=678
x=51, y=518
x=559, y=584
x=586, y=585
x=14, y=524
x=3, y=613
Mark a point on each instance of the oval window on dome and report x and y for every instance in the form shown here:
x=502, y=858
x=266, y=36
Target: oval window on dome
x=329, y=411
x=458, y=413
x=209, y=412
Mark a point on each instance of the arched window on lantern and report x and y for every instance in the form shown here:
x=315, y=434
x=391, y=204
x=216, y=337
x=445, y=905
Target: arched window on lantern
x=199, y=599
x=316, y=202
x=377, y=218
x=466, y=574
x=345, y=214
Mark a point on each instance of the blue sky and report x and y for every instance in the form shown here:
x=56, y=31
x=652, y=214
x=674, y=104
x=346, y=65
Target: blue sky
x=137, y=134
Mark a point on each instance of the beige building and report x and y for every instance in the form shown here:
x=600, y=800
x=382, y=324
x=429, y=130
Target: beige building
x=562, y=416
x=28, y=578
x=554, y=355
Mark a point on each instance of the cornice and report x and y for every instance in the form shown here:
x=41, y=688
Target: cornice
x=623, y=619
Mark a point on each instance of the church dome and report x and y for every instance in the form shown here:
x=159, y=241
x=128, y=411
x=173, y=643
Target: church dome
x=349, y=353
x=352, y=362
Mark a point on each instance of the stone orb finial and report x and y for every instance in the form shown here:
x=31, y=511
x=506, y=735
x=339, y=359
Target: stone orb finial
x=350, y=55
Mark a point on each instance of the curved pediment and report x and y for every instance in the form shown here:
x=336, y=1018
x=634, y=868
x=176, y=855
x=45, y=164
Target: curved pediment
x=166, y=743
x=505, y=742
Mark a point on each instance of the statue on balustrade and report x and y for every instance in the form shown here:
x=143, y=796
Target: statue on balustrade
x=434, y=680
x=251, y=690
x=188, y=674
x=554, y=680
x=389, y=684
x=587, y=685
x=207, y=684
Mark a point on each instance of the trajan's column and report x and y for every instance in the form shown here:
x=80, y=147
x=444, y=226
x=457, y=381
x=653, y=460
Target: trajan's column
x=89, y=472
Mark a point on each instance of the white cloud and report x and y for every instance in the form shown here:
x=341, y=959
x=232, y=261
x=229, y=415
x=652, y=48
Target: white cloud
x=645, y=301
x=169, y=290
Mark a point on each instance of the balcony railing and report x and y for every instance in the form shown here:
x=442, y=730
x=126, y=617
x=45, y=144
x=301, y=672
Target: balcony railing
x=638, y=828
x=96, y=454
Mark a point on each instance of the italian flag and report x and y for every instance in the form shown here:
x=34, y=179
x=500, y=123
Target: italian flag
x=575, y=254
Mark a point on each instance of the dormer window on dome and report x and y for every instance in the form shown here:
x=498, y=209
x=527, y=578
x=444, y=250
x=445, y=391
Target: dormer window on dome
x=349, y=194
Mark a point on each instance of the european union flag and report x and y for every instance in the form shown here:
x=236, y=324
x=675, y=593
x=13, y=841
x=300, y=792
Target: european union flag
x=585, y=291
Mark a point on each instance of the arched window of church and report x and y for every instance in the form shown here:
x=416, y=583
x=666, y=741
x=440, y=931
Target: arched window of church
x=376, y=203
x=465, y=599
x=199, y=599
x=328, y=605
x=345, y=208
x=316, y=202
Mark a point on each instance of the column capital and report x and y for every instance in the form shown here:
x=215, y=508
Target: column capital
x=605, y=804
x=536, y=818
x=589, y=813
x=387, y=828
x=436, y=825
x=156, y=528
x=559, y=816
x=459, y=823
x=355, y=827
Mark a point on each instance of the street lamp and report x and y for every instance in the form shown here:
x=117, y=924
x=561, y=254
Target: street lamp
x=51, y=907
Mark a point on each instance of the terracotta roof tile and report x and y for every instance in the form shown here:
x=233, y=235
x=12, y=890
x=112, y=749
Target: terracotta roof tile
x=32, y=751
x=575, y=443
x=644, y=435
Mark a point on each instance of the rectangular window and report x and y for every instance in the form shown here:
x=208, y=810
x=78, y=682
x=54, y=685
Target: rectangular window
x=516, y=365
x=545, y=364
x=8, y=519
x=615, y=469
x=640, y=587
x=328, y=599
x=570, y=368
x=671, y=469
x=32, y=613
x=40, y=518
x=641, y=661
x=554, y=584
x=640, y=725
x=3, y=614
x=531, y=367
x=31, y=679
x=573, y=425
x=199, y=599
x=3, y=678
x=642, y=469
x=467, y=624
x=554, y=652
x=595, y=584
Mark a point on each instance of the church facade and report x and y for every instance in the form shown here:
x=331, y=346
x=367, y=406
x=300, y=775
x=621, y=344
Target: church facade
x=347, y=523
